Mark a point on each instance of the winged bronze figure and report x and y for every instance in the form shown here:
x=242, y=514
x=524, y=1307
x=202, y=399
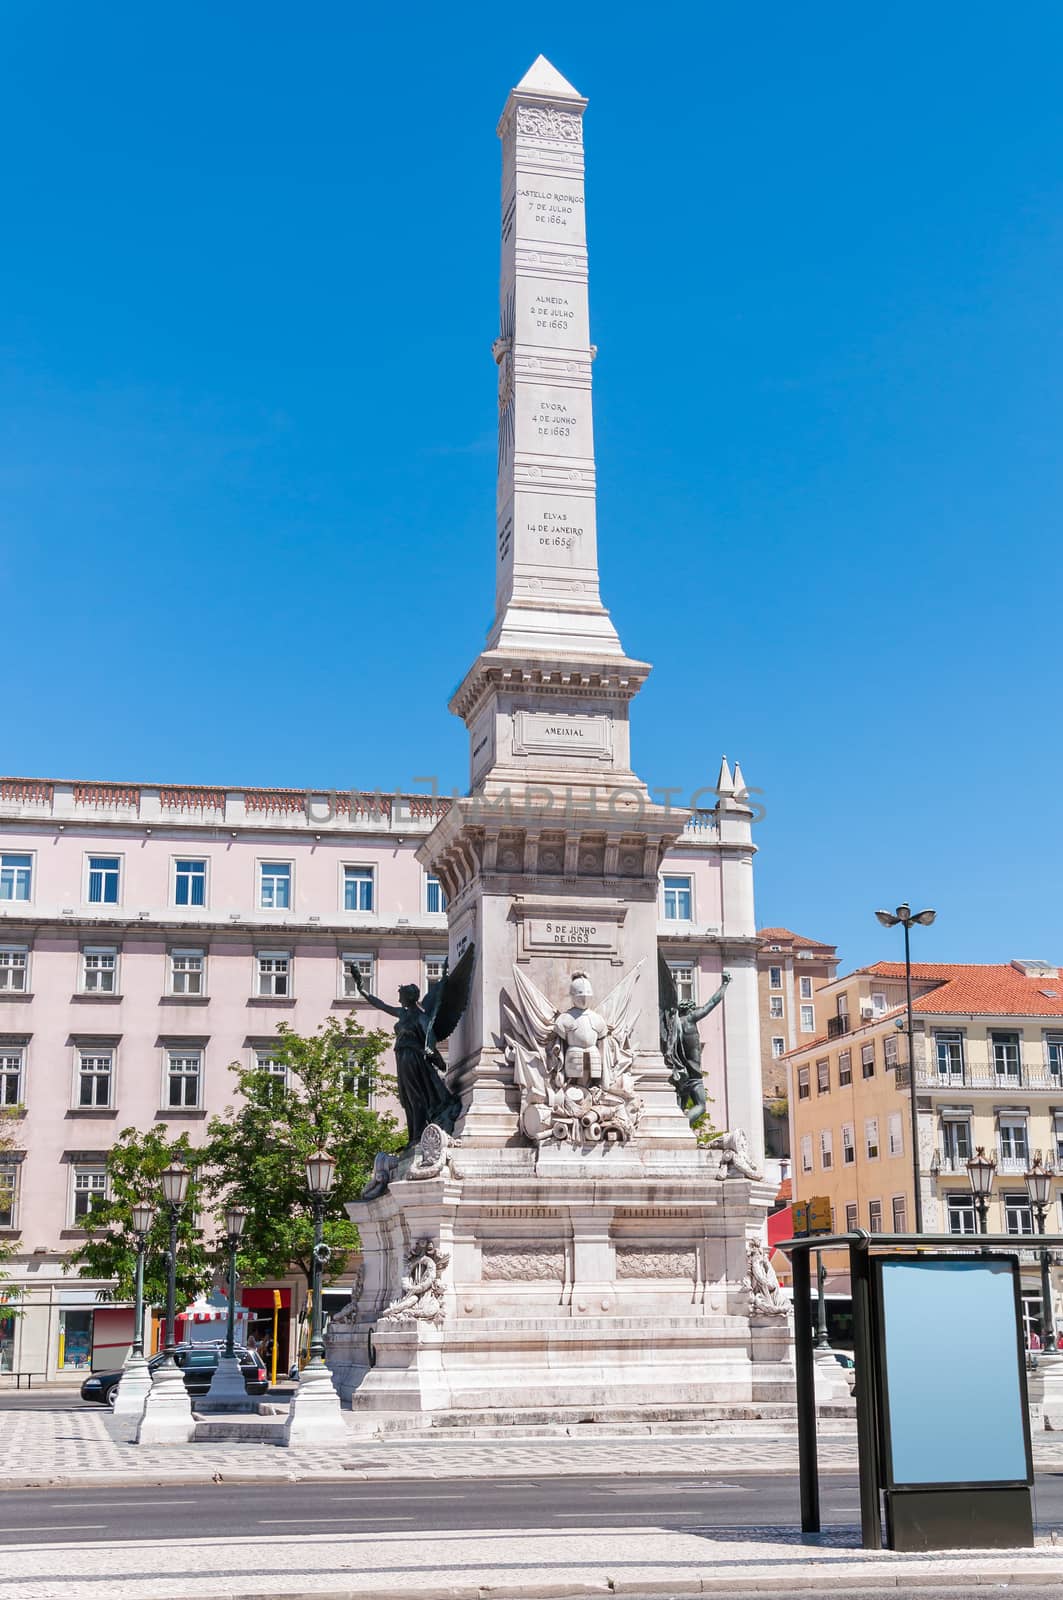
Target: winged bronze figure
x=420, y=1027
x=681, y=1042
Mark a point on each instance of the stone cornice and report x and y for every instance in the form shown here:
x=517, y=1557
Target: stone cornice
x=605, y=677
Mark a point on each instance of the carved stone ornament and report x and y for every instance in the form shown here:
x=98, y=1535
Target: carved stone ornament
x=766, y=1299
x=422, y=1288
x=544, y=122
x=529, y=1262
x=574, y=1068
x=349, y=1312
x=735, y=1161
x=433, y=1153
x=636, y=1261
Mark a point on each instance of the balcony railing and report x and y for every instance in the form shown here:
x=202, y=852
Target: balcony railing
x=836, y=1026
x=982, y=1078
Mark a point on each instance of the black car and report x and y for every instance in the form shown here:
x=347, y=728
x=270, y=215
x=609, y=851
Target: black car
x=199, y=1363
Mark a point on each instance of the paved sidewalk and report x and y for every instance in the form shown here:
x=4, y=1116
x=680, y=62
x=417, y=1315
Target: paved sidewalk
x=86, y=1448
x=499, y=1565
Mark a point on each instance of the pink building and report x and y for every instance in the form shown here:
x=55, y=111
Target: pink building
x=150, y=936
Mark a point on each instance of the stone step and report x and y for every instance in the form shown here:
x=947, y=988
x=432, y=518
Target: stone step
x=720, y=1421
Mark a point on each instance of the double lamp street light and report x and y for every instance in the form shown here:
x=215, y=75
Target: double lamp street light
x=981, y=1170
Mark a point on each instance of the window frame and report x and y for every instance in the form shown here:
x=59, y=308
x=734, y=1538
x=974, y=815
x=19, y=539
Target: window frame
x=777, y=1039
x=356, y=957
x=805, y=990
x=426, y=977
x=874, y=1214
x=1016, y=1203
x=867, y=1059
x=872, y=1145
x=1003, y=1038
x=848, y=1144
x=432, y=881
x=95, y=951
x=775, y=1008
x=363, y=872
x=806, y=1151
x=826, y=1149
x=88, y=1169
x=9, y=1185
x=845, y=1068
x=94, y=1050
x=15, y=899
x=775, y=983
x=15, y=949
x=900, y=1200
x=175, y=879
x=17, y=1050
x=669, y=886
x=852, y=1216
x=807, y=1026
x=944, y=1041
x=804, y=1083
x=184, y=953
x=894, y=1119
x=172, y=1050
x=960, y=1205
x=823, y=1073
x=264, y=866
x=685, y=978
x=270, y=954
x=118, y=857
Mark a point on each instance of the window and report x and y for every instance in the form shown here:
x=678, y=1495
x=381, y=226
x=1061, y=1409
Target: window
x=845, y=1067
x=75, y=1339
x=806, y=1152
x=683, y=978
x=1006, y=1059
x=12, y=1061
x=16, y=876
x=95, y=1073
x=190, y=883
x=848, y=1145
x=956, y=1140
x=90, y=1189
x=8, y=1194
x=104, y=875
x=14, y=969
x=266, y=1061
x=274, y=975
x=895, y=1133
x=184, y=1072
x=852, y=1215
x=678, y=898
x=275, y=885
x=867, y=1060
x=826, y=1149
x=365, y=965
x=806, y=988
x=960, y=1212
x=99, y=969
x=775, y=1006
x=879, y=1003
x=1053, y=1051
x=948, y=1048
x=774, y=977
x=357, y=888
x=900, y=1213
x=823, y=1077
x=778, y=1045
x=804, y=1090
x=843, y=1006
x=871, y=1138
x=1014, y=1145
x=1057, y=1134
x=187, y=972
x=1018, y=1213
x=435, y=899
x=808, y=1019
x=889, y=1052
x=433, y=970
x=874, y=1215
x=358, y=1082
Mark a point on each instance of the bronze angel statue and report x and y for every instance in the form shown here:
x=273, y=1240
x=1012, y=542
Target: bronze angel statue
x=420, y=1026
x=681, y=1041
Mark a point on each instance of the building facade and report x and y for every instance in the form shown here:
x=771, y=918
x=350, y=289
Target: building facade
x=989, y=1074
x=790, y=972
x=152, y=935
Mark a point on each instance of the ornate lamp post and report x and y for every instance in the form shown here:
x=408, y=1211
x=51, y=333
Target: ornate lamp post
x=167, y=1415
x=1039, y=1188
x=981, y=1169
x=320, y=1176
x=227, y=1389
x=889, y=919
x=136, y=1376
x=314, y=1414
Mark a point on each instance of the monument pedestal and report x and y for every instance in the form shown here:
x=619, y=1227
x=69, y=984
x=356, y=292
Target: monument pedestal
x=167, y=1417
x=601, y=1287
x=227, y=1391
x=314, y=1416
x=133, y=1389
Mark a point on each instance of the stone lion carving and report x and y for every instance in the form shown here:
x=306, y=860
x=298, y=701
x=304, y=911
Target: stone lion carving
x=735, y=1160
x=766, y=1299
x=574, y=1067
x=421, y=1299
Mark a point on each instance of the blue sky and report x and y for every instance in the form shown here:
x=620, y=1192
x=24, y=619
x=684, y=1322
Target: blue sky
x=247, y=401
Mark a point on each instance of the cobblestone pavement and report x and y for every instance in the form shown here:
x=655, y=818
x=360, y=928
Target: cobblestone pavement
x=87, y=1446
x=502, y=1564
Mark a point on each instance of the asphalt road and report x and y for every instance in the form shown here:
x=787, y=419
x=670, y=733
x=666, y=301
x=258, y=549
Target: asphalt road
x=719, y=1505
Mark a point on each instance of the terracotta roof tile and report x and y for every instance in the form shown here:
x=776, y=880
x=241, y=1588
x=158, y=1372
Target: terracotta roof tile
x=785, y=935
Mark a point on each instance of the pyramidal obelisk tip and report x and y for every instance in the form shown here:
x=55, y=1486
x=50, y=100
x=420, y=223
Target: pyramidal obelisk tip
x=543, y=78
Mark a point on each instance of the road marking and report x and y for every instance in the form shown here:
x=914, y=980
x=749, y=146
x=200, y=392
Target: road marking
x=60, y=1527
x=94, y=1505
x=274, y=1522
x=345, y=1499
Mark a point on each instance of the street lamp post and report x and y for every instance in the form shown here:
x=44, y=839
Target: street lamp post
x=136, y=1375
x=981, y=1169
x=314, y=1414
x=889, y=919
x=1039, y=1188
x=167, y=1417
x=228, y=1391
x=821, y=1339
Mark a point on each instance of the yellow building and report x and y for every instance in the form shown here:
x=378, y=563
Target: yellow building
x=989, y=1073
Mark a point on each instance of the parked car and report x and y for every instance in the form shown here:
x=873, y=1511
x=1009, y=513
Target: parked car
x=199, y=1363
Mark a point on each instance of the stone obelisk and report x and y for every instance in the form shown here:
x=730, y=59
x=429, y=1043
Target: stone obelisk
x=573, y=1245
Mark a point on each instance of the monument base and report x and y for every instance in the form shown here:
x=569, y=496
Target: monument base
x=314, y=1416
x=167, y=1417
x=227, y=1391
x=611, y=1279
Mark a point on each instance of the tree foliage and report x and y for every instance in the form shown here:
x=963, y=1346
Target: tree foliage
x=7, y=1247
x=256, y=1152
x=135, y=1164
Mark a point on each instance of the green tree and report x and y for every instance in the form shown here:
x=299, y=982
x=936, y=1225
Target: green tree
x=134, y=1165
x=317, y=1097
x=7, y=1248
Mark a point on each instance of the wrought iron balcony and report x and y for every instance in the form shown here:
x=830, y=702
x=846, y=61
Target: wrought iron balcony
x=836, y=1026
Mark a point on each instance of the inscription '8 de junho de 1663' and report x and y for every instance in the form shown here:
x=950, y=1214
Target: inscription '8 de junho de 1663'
x=569, y=934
